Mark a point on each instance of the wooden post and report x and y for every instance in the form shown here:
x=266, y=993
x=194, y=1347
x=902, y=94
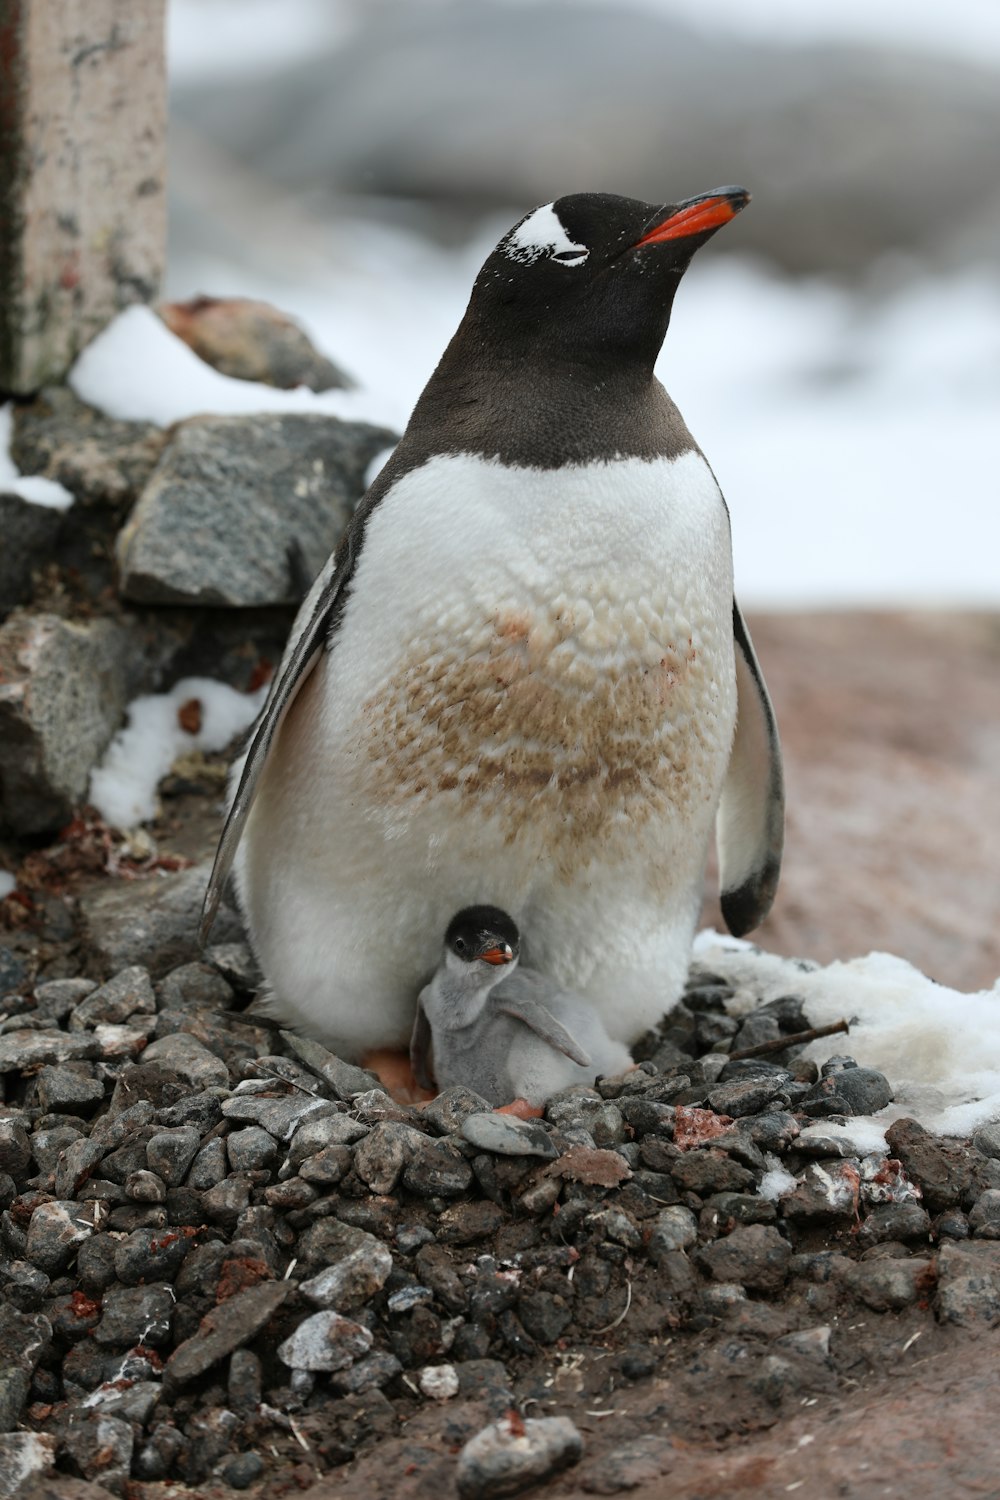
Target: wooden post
x=82, y=175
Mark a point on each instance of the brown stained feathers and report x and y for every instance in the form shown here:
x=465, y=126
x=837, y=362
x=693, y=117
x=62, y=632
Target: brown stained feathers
x=590, y=753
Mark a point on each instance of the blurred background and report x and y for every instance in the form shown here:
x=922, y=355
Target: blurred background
x=836, y=352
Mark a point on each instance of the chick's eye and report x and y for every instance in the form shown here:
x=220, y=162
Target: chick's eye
x=570, y=257
x=460, y=945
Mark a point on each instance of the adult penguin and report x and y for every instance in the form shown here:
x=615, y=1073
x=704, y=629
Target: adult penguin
x=522, y=677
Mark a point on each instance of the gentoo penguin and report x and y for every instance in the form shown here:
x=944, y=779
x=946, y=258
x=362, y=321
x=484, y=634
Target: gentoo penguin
x=507, y=1033
x=522, y=676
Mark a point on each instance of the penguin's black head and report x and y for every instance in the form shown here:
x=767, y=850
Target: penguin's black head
x=594, y=271
x=483, y=932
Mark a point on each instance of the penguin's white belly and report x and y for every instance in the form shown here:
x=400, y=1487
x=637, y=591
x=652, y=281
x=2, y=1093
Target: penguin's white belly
x=530, y=701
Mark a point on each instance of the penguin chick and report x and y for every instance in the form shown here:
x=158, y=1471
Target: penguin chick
x=505, y=1032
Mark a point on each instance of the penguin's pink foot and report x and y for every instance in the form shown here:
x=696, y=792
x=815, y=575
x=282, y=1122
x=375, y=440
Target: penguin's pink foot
x=393, y=1071
x=521, y=1109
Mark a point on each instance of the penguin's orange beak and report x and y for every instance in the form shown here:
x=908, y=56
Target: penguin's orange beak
x=709, y=211
x=499, y=955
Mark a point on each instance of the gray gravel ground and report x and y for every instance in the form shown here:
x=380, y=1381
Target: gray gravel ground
x=229, y=1259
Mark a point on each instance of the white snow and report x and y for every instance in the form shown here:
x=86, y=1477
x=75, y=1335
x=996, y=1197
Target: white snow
x=542, y=231
x=939, y=1048
x=139, y=371
x=32, y=487
x=123, y=786
x=776, y=1181
x=8, y=883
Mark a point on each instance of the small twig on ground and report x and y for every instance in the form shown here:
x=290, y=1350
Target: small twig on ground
x=793, y=1040
x=622, y=1315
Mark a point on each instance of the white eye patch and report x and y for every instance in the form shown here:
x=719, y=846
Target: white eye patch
x=542, y=233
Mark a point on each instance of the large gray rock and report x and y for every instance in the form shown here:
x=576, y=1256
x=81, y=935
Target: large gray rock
x=233, y=497
x=64, y=686
x=29, y=533
x=152, y=922
x=849, y=151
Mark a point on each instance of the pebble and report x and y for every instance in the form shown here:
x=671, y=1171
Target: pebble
x=746, y=1096
x=22, y=1049
x=279, y=1116
x=170, y=1153
x=886, y=1285
x=848, y=1091
x=16, y=1149
x=227, y=1327
x=345, y=1080
x=65, y=1090
x=192, y=1062
x=984, y=1216
x=320, y=1131
x=508, y=1136
x=514, y=1453
x=987, y=1139
x=409, y=1297
x=135, y=1315
x=362, y=1270
x=968, y=1289
x=327, y=1167
x=325, y=1341
x=56, y=1230
x=826, y=1189
x=437, y=1169
x=675, y=1228
x=210, y=1166
x=895, y=1221
x=754, y=1256
x=380, y=1157
x=23, y=1454
x=241, y=1472
x=438, y=1382
x=150, y=1255
x=252, y=1149
x=57, y=999
x=128, y=993
x=145, y=1187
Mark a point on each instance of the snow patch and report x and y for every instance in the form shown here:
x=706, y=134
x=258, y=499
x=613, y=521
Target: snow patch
x=8, y=883
x=138, y=371
x=123, y=786
x=939, y=1048
x=31, y=487
x=776, y=1181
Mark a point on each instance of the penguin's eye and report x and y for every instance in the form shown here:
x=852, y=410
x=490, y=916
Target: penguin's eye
x=459, y=945
x=574, y=257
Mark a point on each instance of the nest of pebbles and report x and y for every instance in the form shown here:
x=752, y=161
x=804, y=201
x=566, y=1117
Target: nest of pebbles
x=221, y=1245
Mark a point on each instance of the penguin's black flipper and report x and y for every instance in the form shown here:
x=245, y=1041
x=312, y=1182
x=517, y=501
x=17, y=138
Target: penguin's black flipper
x=750, y=824
x=301, y=654
x=422, y=1050
x=522, y=1007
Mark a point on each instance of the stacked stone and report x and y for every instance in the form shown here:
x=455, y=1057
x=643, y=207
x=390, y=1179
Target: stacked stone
x=225, y=519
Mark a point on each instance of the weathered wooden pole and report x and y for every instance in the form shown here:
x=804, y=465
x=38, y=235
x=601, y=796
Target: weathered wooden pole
x=82, y=175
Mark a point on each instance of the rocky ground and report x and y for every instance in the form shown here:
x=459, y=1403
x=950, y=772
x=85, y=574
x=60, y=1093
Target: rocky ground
x=229, y=1261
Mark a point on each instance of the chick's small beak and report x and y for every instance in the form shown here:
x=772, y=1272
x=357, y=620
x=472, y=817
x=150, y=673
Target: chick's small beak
x=502, y=954
x=707, y=212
